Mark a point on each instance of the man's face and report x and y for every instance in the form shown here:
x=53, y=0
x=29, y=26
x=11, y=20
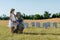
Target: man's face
x=18, y=16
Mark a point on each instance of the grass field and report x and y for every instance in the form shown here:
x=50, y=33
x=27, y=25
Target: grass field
x=31, y=33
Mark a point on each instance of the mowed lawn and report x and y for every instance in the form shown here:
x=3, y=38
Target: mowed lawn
x=30, y=33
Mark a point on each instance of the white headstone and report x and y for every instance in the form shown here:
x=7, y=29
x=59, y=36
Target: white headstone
x=37, y=24
x=55, y=25
x=26, y=25
x=45, y=25
x=48, y=24
x=33, y=24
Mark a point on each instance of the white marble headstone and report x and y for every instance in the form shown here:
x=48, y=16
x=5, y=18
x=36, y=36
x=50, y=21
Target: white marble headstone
x=45, y=25
x=48, y=24
x=55, y=25
x=38, y=24
x=26, y=25
x=33, y=24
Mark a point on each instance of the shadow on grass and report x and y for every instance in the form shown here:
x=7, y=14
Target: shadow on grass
x=40, y=33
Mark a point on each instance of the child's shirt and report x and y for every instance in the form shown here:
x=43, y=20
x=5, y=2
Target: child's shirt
x=11, y=23
x=13, y=17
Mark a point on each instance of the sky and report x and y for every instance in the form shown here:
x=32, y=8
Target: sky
x=29, y=7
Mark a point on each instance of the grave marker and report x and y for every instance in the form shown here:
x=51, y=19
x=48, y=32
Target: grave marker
x=48, y=24
x=45, y=25
x=33, y=24
x=55, y=25
x=37, y=24
x=26, y=25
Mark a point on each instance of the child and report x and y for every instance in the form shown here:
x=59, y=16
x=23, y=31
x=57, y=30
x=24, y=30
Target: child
x=19, y=21
x=12, y=21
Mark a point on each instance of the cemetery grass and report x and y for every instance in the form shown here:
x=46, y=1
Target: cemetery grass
x=29, y=33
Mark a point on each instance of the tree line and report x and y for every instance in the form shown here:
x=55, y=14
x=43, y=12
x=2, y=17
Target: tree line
x=46, y=15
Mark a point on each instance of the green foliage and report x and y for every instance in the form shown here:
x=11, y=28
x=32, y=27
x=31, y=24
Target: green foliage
x=36, y=16
x=46, y=15
x=4, y=17
x=41, y=17
x=54, y=16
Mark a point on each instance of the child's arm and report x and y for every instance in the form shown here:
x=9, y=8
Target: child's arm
x=13, y=19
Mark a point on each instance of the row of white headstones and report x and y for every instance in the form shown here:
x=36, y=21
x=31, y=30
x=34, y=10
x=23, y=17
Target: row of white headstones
x=45, y=25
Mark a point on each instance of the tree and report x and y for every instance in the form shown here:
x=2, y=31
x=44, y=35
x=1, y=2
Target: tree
x=0, y=18
x=32, y=17
x=54, y=16
x=46, y=15
x=23, y=15
x=36, y=16
x=5, y=17
x=58, y=15
x=41, y=17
